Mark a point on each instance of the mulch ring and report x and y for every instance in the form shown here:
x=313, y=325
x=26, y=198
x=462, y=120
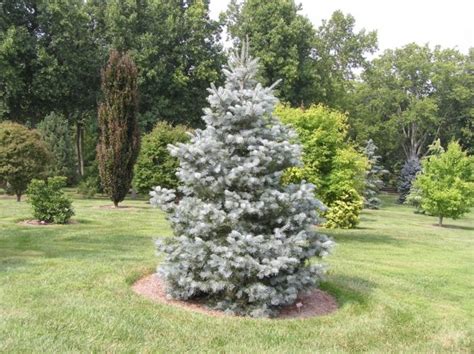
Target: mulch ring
x=35, y=222
x=120, y=207
x=310, y=304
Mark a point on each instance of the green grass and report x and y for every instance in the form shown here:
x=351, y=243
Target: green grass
x=403, y=285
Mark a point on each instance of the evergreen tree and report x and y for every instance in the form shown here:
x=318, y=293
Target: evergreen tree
x=243, y=241
x=56, y=132
x=118, y=145
x=408, y=173
x=373, y=181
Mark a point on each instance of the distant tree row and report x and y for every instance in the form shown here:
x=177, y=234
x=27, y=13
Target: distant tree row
x=52, y=52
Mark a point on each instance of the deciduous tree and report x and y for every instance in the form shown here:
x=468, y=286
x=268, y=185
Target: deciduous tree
x=176, y=48
x=446, y=183
x=23, y=156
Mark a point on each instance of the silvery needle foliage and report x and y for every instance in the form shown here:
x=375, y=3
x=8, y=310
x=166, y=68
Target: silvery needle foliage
x=242, y=240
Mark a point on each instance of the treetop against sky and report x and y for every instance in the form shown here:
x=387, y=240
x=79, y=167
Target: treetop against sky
x=447, y=23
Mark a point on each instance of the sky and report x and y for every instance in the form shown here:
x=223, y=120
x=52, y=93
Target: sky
x=397, y=22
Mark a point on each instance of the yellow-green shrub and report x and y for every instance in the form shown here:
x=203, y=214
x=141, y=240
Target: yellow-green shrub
x=330, y=161
x=344, y=212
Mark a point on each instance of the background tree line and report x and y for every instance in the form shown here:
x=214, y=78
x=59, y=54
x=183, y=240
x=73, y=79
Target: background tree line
x=52, y=52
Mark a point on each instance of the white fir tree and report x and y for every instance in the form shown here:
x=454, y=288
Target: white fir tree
x=243, y=241
x=373, y=176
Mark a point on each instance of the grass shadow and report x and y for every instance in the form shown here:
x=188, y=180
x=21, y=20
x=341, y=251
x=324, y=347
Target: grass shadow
x=457, y=227
x=17, y=261
x=366, y=238
x=348, y=289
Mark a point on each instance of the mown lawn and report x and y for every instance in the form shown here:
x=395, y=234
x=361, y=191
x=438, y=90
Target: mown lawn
x=403, y=285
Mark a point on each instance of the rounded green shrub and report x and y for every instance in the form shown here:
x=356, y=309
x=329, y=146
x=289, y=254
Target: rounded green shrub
x=23, y=156
x=155, y=166
x=48, y=200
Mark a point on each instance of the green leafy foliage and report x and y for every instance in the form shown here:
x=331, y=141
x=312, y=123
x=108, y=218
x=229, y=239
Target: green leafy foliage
x=175, y=45
x=315, y=65
x=282, y=39
x=119, y=139
x=23, y=156
x=345, y=186
x=49, y=59
x=48, y=200
x=414, y=199
x=339, y=52
x=56, y=132
x=446, y=183
x=329, y=161
x=155, y=166
x=411, y=95
x=88, y=187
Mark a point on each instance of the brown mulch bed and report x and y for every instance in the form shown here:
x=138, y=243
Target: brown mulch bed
x=35, y=222
x=310, y=304
x=120, y=207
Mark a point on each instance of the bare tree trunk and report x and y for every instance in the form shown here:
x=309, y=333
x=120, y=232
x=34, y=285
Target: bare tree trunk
x=80, y=155
x=440, y=220
x=18, y=197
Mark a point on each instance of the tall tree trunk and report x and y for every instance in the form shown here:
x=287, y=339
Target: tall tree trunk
x=80, y=155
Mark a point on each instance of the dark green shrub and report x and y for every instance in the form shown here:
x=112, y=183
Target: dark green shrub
x=23, y=156
x=56, y=132
x=155, y=166
x=88, y=187
x=48, y=200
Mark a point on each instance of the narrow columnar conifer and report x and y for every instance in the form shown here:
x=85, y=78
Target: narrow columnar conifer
x=119, y=137
x=407, y=174
x=242, y=240
x=373, y=176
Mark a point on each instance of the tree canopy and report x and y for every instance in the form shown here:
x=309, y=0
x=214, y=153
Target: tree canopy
x=23, y=156
x=314, y=64
x=446, y=183
x=412, y=95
